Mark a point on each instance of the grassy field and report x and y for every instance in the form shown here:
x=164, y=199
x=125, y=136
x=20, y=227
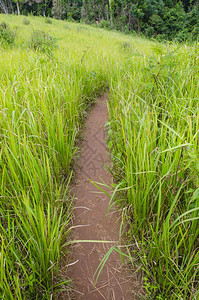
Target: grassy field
x=48, y=80
x=154, y=139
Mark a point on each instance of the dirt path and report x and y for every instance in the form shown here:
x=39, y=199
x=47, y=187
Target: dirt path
x=90, y=210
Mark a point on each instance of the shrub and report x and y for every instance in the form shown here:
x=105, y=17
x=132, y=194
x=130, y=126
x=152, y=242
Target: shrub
x=194, y=35
x=43, y=42
x=182, y=36
x=149, y=32
x=126, y=46
x=67, y=27
x=105, y=24
x=3, y=25
x=7, y=36
x=161, y=37
x=126, y=29
x=26, y=21
x=48, y=21
x=70, y=18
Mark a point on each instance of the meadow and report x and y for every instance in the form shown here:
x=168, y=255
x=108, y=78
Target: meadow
x=51, y=72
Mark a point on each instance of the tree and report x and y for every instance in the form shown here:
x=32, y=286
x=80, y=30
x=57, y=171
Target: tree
x=58, y=9
x=169, y=18
x=111, y=10
x=38, y=7
x=17, y=3
x=6, y=6
x=138, y=13
x=18, y=9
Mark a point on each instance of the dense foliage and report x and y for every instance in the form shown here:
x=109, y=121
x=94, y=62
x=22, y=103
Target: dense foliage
x=163, y=19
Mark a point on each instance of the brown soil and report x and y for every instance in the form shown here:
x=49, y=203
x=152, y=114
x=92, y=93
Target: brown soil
x=91, y=223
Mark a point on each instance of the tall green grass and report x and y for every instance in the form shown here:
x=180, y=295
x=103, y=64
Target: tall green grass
x=42, y=104
x=45, y=92
x=154, y=134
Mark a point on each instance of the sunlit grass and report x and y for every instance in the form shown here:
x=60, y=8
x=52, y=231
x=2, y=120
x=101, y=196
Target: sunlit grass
x=153, y=136
x=154, y=141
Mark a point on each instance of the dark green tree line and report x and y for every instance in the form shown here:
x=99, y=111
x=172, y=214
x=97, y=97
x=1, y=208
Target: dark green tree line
x=164, y=19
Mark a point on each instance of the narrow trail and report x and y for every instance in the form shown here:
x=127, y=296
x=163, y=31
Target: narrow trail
x=91, y=224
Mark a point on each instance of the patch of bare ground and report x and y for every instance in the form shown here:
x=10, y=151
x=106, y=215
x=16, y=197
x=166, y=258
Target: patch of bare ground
x=115, y=282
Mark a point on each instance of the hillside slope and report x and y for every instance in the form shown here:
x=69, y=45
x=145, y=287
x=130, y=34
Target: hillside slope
x=50, y=73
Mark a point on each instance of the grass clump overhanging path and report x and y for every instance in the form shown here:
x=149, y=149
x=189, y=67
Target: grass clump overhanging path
x=153, y=136
x=154, y=123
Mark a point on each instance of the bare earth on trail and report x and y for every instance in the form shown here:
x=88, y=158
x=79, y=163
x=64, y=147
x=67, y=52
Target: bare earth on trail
x=89, y=216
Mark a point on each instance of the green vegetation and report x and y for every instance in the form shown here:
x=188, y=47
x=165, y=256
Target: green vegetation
x=43, y=42
x=161, y=19
x=42, y=103
x=154, y=129
x=26, y=21
x=45, y=91
x=7, y=36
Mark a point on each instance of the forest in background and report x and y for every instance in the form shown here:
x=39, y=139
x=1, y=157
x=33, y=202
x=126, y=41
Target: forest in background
x=160, y=19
